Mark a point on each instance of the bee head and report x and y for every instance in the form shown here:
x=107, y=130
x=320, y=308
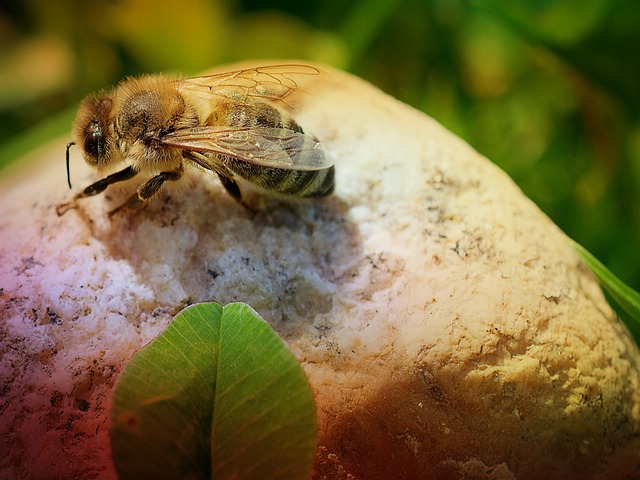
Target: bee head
x=93, y=130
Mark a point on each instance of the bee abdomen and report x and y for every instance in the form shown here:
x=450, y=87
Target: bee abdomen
x=297, y=183
x=304, y=183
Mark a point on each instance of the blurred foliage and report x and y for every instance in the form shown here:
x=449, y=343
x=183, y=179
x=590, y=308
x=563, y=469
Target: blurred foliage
x=548, y=90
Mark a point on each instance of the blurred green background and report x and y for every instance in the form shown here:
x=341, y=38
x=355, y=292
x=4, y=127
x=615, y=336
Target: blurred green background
x=548, y=90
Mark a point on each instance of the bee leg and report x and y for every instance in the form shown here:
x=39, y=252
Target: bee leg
x=224, y=174
x=96, y=188
x=148, y=189
x=232, y=189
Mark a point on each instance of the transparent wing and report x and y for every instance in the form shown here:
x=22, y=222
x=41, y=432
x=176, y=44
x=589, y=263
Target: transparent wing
x=282, y=84
x=268, y=147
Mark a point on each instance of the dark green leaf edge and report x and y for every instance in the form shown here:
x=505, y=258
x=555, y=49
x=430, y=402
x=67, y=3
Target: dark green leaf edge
x=626, y=297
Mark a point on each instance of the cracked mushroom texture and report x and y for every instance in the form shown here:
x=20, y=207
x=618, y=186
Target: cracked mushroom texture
x=445, y=325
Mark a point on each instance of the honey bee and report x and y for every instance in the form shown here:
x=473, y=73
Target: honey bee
x=238, y=125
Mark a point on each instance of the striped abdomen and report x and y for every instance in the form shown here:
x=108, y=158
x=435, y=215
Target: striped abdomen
x=299, y=182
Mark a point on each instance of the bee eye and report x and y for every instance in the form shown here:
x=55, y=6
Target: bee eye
x=93, y=139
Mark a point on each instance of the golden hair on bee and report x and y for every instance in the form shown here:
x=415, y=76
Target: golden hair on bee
x=239, y=125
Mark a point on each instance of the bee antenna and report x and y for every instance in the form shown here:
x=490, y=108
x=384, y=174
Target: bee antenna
x=69, y=145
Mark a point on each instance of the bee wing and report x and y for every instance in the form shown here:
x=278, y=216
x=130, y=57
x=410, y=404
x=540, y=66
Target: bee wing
x=279, y=84
x=268, y=147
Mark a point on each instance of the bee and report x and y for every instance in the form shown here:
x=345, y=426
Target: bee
x=237, y=124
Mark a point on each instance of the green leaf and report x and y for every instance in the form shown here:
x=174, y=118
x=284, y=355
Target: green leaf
x=625, y=296
x=216, y=395
x=264, y=407
x=163, y=402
